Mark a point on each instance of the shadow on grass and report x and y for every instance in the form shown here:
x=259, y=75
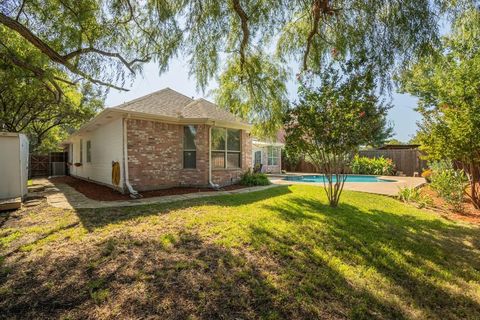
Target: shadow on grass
x=126, y=277
x=95, y=218
x=419, y=259
x=301, y=261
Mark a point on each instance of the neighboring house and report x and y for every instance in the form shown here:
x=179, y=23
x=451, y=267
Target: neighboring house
x=162, y=140
x=268, y=153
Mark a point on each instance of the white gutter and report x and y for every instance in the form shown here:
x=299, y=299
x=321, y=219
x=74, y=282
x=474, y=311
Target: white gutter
x=133, y=193
x=213, y=185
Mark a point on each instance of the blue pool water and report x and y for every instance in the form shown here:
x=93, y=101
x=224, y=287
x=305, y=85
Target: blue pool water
x=350, y=178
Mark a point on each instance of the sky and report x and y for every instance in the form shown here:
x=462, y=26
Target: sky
x=402, y=116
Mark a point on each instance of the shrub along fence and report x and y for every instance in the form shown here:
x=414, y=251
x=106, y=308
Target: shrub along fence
x=406, y=160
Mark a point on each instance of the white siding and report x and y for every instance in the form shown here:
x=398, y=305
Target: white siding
x=13, y=165
x=107, y=146
x=265, y=167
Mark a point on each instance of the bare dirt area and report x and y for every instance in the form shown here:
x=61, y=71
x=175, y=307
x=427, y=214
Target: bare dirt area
x=103, y=193
x=469, y=213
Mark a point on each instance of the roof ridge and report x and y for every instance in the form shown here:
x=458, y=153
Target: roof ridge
x=191, y=98
x=147, y=96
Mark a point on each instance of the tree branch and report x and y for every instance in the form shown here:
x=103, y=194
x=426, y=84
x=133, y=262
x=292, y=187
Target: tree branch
x=316, y=18
x=48, y=51
x=20, y=10
x=105, y=53
x=319, y=8
x=246, y=32
x=38, y=72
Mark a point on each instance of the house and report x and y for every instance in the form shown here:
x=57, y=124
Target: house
x=268, y=153
x=164, y=139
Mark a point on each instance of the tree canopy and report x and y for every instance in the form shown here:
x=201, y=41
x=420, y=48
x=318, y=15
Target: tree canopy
x=27, y=106
x=448, y=87
x=106, y=41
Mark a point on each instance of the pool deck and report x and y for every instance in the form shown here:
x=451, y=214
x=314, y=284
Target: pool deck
x=384, y=188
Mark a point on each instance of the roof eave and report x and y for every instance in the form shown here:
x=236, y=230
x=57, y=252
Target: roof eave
x=149, y=116
x=267, y=143
x=180, y=120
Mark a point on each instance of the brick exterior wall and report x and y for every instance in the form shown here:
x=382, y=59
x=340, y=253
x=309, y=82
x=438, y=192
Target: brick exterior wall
x=155, y=156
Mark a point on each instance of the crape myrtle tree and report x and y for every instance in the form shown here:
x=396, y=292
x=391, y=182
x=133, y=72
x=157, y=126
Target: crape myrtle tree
x=332, y=118
x=244, y=44
x=448, y=87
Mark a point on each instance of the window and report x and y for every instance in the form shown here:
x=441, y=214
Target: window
x=89, y=151
x=257, y=160
x=273, y=156
x=70, y=153
x=189, y=147
x=226, y=148
x=81, y=151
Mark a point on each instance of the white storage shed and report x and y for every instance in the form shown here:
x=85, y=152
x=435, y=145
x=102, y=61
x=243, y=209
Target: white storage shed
x=13, y=165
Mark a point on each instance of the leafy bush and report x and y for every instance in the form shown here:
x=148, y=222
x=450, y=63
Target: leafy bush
x=254, y=179
x=449, y=183
x=427, y=174
x=375, y=166
x=410, y=195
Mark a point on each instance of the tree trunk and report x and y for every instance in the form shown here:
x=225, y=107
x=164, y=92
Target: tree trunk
x=474, y=184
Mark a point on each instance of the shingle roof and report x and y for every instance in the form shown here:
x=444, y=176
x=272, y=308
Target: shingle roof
x=170, y=103
x=202, y=108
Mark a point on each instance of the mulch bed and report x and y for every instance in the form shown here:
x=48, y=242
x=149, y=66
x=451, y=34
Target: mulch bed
x=469, y=214
x=103, y=193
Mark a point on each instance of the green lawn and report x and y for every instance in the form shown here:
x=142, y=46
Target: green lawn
x=279, y=253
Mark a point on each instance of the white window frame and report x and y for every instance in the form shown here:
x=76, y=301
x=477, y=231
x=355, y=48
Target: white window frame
x=81, y=151
x=261, y=156
x=70, y=152
x=271, y=157
x=89, y=151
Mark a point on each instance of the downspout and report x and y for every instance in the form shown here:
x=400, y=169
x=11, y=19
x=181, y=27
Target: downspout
x=133, y=193
x=210, y=183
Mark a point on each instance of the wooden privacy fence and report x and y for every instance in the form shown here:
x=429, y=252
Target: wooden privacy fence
x=38, y=166
x=406, y=160
x=44, y=165
x=301, y=166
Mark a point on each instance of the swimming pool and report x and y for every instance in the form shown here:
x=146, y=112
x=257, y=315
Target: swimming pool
x=350, y=178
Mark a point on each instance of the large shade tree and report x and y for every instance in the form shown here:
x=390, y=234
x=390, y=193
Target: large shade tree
x=105, y=41
x=448, y=87
x=333, y=118
x=26, y=105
